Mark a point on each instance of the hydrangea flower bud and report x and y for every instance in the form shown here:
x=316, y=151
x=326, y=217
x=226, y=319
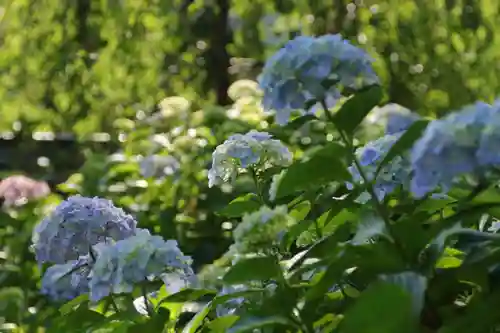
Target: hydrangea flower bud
x=76, y=225
x=392, y=175
x=67, y=281
x=254, y=149
x=262, y=230
x=158, y=166
x=142, y=257
x=298, y=73
x=449, y=148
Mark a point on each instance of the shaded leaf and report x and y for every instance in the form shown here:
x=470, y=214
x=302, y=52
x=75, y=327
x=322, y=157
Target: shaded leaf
x=415, y=284
x=325, y=166
x=248, y=323
x=382, y=308
x=352, y=113
x=253, y=269
x=241, y=205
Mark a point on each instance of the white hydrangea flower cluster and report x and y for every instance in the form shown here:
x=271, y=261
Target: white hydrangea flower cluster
x=254, y=149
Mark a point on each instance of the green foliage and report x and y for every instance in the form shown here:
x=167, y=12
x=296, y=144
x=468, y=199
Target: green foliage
x=398, y=265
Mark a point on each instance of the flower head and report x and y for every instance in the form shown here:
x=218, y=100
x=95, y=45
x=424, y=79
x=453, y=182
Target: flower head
x=487, y=153
x=158, y=166
x=17, y=190
x=67, y=281
x=76, y=225
x=243, y=88
x=449, y=148
x=392, y=175
x=297, y=73
x=137, y=259
x=254, y=149
x=174, y=106
x=261, y=230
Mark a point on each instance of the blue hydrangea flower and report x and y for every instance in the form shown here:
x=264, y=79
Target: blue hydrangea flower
x=398, y=122
x=394, y=174
x=158, y=166
x=139, y=258
x=67, y=281
x=297, y=73
x=254, y=149
x=449, y=148
x=77, y=224
x=487, y=154
x=262, y=230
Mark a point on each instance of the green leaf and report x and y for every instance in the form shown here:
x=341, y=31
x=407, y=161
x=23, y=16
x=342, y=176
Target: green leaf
x=154, y=324
x=70, y=306
x=382, y=308
x=81, y=319
x=325, y=166
x=187, y=295
x=294, y=232
x=327, y=245
x=250, y=323
x=196, y=322
x=300, y=211
x=479, y=317
x=415, y=284
x=352, y=113
x=371, y=225
x=404, y=143
x=253, y=269
x=222, y=324
x=238, y=207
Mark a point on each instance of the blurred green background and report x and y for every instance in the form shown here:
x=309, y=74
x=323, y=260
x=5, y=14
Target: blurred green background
x=81, y=85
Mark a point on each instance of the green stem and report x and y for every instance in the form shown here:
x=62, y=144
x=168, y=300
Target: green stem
x=378, y=206
x=260, y=193
x=113, y=304
x=146, y=302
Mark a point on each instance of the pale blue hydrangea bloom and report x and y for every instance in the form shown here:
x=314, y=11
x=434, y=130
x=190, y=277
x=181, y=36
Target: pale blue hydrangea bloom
x=139, y=258
x=77, y=224
x=158, y=166
x=398, y=122
x=487, y=153
x=394, y=174
x=254, y=149
x=297, y=73
x=449, y=148
x=261, y=231
x=67, y=281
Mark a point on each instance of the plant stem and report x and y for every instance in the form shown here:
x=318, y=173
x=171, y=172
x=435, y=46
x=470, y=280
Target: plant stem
x=113, y=304
x=378, y=206
x=257, y=185
x=146, y=301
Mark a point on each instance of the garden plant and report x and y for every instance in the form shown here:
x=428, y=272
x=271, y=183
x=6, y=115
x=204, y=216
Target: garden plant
x=395, y=234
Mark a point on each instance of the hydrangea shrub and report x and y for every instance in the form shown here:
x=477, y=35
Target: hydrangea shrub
x=397, y=234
